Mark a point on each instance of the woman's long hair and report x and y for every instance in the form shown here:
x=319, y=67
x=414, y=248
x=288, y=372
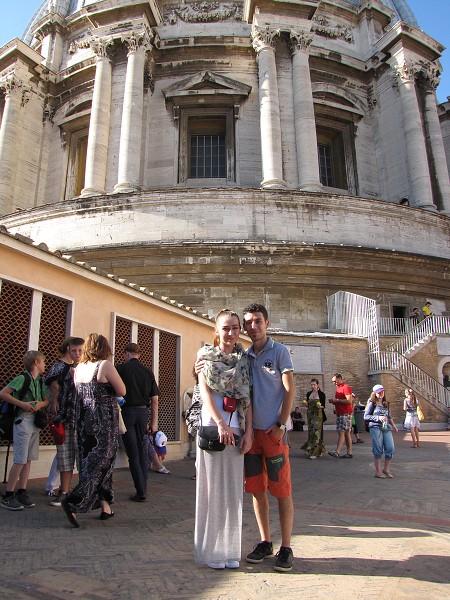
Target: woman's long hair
x=411, y=396
x=96, y=347
x=374, y=399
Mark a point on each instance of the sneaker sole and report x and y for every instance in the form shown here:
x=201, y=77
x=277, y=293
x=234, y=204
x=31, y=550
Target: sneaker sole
x=283, y=569
x=11, y=508
x=29, y=505
x=256, y=561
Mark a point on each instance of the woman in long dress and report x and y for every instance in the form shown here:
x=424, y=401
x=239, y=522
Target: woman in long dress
x=218, y=513
x=315, y=402
x=412, y=422
x=97, y=385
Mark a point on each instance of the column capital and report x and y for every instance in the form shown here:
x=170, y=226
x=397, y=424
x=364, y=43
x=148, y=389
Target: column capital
x=100, y=45
x=404, y=72
x=427, y=75
x=12, y=85
x=263, y=38
x=141, y=41
x=300, y=41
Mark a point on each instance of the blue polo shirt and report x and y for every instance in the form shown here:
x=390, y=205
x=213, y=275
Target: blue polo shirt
x=268, y=391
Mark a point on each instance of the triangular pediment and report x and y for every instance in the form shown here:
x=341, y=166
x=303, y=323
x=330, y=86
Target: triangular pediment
x=207, y=83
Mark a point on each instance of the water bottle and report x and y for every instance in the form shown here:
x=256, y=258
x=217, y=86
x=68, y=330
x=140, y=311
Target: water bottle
x=384, y=426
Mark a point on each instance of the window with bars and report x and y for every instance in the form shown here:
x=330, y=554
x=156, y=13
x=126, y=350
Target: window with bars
x=207, y=152
x=206, y=145
x=325, y=165
x=207, y=156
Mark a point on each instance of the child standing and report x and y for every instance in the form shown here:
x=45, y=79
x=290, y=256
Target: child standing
x=25, y=432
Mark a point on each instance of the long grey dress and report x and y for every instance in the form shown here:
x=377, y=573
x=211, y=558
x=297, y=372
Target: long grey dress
x=218, y=525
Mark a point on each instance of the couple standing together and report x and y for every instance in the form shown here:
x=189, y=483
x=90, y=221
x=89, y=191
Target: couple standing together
x=254, y=436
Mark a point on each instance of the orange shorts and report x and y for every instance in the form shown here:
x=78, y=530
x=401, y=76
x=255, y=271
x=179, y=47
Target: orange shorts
x=267, y=466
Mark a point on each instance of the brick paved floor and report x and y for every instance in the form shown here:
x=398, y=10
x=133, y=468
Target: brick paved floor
x=355, y=536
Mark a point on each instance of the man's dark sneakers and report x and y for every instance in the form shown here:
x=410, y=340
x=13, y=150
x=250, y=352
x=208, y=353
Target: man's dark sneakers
x=285, y=559
x=260, y=552
x=25, y=500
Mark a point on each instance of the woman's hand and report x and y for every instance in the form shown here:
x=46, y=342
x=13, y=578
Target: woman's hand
x=28, y=407
x=226, y=435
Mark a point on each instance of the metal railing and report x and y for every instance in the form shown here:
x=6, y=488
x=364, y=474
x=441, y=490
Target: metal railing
x=423, y=330
x=350, y=313
x=412, y=376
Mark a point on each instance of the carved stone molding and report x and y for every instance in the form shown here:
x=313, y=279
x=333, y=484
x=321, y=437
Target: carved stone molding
x=264, y=37
x=372, y=97
x=202, y=12
x=149, y=80
x=300, y=41
x=322, y=26
x=49, y=111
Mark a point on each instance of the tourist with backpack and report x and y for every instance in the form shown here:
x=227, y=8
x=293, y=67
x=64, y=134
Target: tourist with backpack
x=28, y=394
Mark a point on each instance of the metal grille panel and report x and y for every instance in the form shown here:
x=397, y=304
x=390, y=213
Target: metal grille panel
x=122, y=337
x=145, y=341
x=15, y=307
x=52, y=331
x=168, y=383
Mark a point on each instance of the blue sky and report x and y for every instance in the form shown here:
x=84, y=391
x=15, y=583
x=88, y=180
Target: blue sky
x=433, y=17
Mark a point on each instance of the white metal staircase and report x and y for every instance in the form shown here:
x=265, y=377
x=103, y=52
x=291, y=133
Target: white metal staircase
x=421, y=334
x=350, y=313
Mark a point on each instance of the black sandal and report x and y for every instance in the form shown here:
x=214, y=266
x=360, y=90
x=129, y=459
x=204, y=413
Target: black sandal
x=104, y=516
x=70, y=516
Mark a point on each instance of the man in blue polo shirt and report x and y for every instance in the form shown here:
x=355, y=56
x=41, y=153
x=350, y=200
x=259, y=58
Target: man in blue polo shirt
x=267, y=465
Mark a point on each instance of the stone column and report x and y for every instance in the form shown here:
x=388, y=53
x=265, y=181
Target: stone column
x=272, y=164
x=304, y=119
x=429, y=80
x=133, y=102
x=8, y=136
x=416, y=152
x=97, y=148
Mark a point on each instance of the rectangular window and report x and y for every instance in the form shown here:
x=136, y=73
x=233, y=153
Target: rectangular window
x=207, y=158
x=207, y=147
x=326, y=165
